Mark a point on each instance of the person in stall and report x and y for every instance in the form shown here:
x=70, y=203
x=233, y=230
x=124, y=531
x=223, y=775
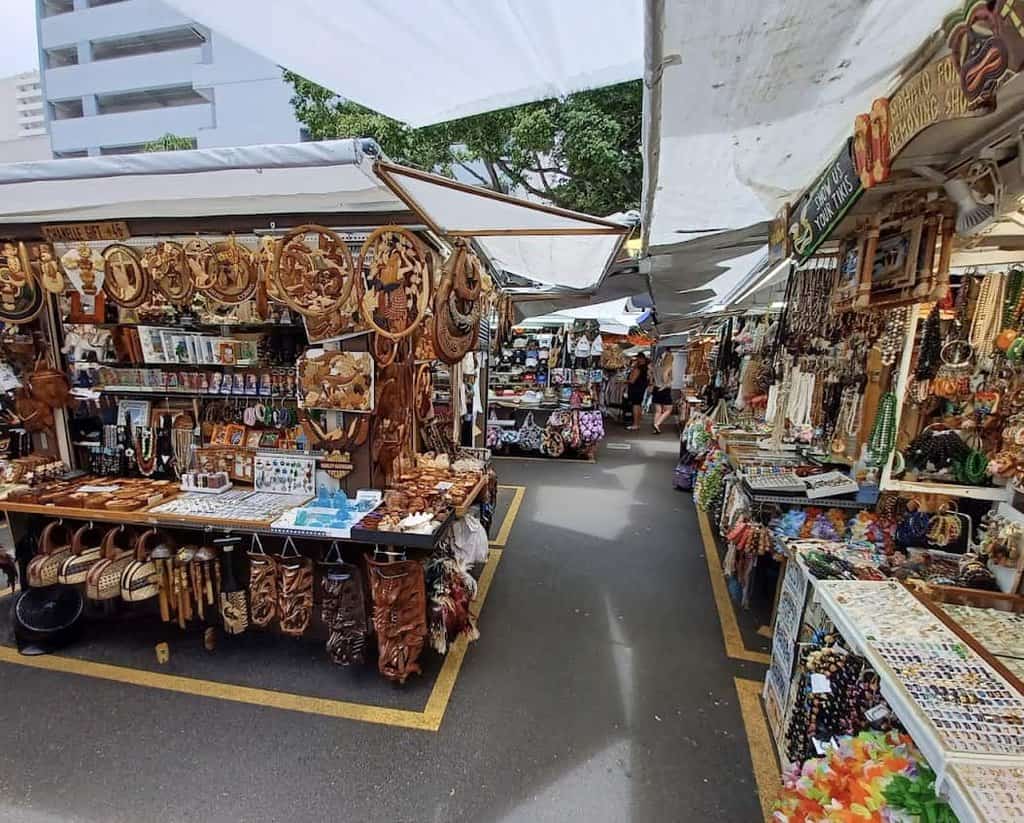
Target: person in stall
x=661, y=397
x=637, y=388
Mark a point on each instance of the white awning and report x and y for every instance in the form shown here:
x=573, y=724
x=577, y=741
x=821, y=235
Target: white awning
x=437, y=60
x=748, y=101
x=533, y=240
x=333, y=176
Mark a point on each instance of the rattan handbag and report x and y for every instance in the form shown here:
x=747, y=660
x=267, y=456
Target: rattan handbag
x=86, y=546
x=140, y=579
x=54, y=549
x=262, y=585
x=103, y=582
x=295, y=592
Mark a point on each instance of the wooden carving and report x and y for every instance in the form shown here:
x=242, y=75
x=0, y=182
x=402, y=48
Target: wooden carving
x=231, y=272
x=979, y=54
x=21, y=297
x=395, y=271
x=169, y=271
x=126, y=281
x=312, y=279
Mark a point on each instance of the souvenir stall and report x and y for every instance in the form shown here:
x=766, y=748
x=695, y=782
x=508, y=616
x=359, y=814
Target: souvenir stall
x=544, y=392
x=242, y=395
x=894, y=685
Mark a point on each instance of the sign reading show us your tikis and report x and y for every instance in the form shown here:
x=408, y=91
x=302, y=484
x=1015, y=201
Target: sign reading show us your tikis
x=823, y=205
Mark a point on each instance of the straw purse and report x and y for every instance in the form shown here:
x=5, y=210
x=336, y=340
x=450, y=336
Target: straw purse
x=86, y=548
x=140, y=579
x=54, y=549
x=295, y=590
x=103, y=582
x=262, y=585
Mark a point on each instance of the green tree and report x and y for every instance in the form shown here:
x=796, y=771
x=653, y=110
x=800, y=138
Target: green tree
x=170, y=142
x=580, y=152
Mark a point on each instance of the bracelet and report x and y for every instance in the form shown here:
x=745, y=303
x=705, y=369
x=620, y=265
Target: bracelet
x=966, y=351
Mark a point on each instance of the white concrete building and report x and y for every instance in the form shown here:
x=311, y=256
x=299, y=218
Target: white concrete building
x=119, y=73
x=22, y=122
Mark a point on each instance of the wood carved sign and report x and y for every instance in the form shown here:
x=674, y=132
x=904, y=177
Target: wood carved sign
x=822, y=206
x=81, y=232
x=980, y=34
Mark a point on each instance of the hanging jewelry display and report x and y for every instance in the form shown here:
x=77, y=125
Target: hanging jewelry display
x=987, y=314
x=231, y=272
x=145, y=450
x=883, y=432
x=929, y=357
x=21, y=297
x=395, y=271
x=892, y=339
x=313, y=280
x=126, y=280
x=169, y=271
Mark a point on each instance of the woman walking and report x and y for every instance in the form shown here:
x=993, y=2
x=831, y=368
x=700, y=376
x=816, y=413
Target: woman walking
x=661, y=397
x=637, y=389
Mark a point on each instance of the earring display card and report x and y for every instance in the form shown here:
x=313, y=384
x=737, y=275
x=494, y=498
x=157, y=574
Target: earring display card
x=284, y=474
x=994, y=790
x=1001, y=633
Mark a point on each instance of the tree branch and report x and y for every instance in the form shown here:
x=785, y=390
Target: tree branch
x=472, y=171
x=522, y=181
x=493, y=174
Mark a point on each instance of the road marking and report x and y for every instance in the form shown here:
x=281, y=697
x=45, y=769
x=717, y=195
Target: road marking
x=734, y=647
x=510, y=516
x=762, y=752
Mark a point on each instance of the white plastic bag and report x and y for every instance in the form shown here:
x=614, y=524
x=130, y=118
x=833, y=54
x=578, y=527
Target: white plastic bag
x=470, y=541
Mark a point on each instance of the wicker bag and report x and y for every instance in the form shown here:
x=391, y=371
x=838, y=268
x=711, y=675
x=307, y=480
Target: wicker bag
x=103, y=582
x=86, y=548
x=140, y=579
x=54, y=549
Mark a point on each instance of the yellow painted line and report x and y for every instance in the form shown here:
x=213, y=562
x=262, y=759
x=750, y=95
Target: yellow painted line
x=429, y=719
x=762, y=752
x=510, y=516
x=734, y=647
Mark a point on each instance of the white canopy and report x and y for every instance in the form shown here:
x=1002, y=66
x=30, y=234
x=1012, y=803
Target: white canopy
x=748, y=101
x=543, y=243
x=538, y=242
x=437, y=60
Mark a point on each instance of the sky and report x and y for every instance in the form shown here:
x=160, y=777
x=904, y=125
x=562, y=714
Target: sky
x=18, y=23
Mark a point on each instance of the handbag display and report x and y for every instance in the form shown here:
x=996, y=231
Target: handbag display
x=343, y=609
x=530, y=434
x=295, y=590
x=86, y=548
x=262, y=585
x=103, y=581
x=140, y=579
x=399, y=616
x=54, y=549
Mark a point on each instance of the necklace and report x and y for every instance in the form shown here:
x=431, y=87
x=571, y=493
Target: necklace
x=987, y=318
x=145, y=451
x=883, y=432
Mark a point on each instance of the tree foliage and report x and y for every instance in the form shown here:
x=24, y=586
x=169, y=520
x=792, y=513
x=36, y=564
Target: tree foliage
x=170, y=142
x=580, y=152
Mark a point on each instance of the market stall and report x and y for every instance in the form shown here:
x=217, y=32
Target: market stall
x=246, y=402
x=859, y=444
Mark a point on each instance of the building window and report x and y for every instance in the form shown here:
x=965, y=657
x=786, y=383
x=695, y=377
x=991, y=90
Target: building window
x=66, y=109
x=67, y=56
x=148, y=99
x=48, y=8
x=64, y=155
x=94, y=3
x=132, y=149
x=184, y=37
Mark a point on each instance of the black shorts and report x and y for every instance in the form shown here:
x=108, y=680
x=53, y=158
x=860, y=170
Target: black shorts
x=636, y=395
x=662, y=397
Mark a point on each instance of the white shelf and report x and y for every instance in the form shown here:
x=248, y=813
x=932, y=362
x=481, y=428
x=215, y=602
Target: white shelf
x=951, y=489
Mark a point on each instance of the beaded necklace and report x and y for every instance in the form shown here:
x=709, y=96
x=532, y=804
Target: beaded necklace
x=883, y=432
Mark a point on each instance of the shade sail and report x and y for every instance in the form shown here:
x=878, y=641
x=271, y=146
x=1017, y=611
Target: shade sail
x=438, y=60
x=748, y=101
x=545, y=244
